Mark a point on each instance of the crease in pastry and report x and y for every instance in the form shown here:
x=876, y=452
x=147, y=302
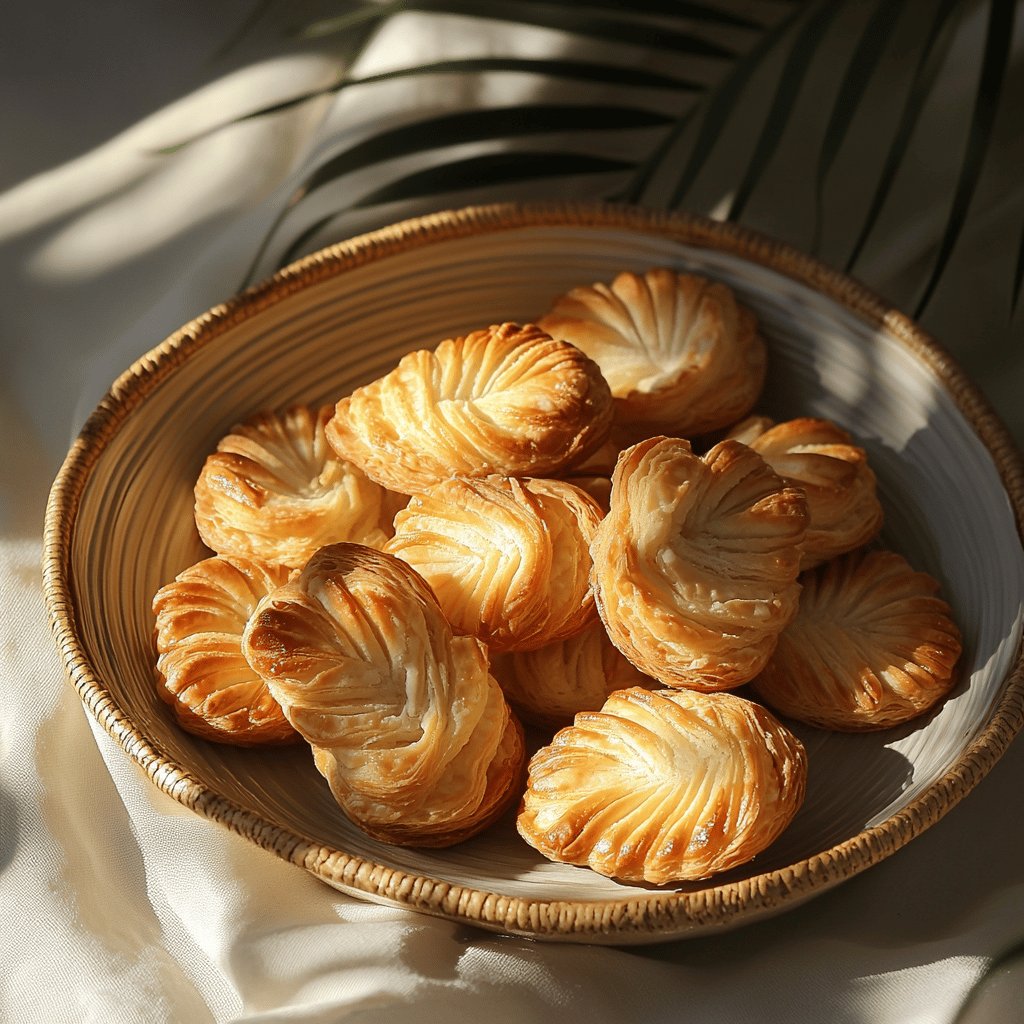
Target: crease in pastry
x=508, y=559
x=276, y=491
x=549, y=685
x=680, y=354
x=873, y=645
x=820, y=457
x=664, y=786
x=201, y=672
x=507, y=400
x=695, y=566
x=410, y=730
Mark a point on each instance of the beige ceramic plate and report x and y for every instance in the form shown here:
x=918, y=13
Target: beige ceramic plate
x=119, y=525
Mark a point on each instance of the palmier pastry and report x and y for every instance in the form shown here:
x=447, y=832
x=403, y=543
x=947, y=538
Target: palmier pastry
x=407, y=725
x=546, y=687
x=507, y=400
x=275, y=490
x=201, y=672
x=872, y=646
x=681, y=355
x=695, y=565
x=820, y=457
x=664, y=786
x=508, y=559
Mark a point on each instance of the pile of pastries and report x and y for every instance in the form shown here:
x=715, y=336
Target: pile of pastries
x=577, y=524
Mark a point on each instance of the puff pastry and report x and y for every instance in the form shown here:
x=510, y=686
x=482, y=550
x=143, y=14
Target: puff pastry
x=695, y=565
x=407, y=725
x=872, y=646
x=276, y=491
x=821, y=458
x=682, y=357
x=508, y=559
x=507, y=400
x=547, y=686
x=200, y=669
x=594, y=473
x=664, y=786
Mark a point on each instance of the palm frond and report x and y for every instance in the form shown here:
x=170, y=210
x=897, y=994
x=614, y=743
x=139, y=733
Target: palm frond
x=476, y=125
x=479, y=172
x=860, y=71
x=580, y=20
x=806, y=45
x=716, y=107
x=999, y=34
x=931, y=58
x=542, y=68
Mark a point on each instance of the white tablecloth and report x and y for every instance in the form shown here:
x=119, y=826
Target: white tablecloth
x=120, y=905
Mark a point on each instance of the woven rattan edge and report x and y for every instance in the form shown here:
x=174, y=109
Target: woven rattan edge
x=645, y=916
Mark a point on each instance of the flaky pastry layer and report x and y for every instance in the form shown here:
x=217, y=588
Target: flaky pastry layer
x=695, y=565
x=508, y=559
x=664, y=786
x=548, y=686
x=275, y=490
x=821, y=458
x=681, y=356
x=406, y=723
x=872, y=646
x=506, y=400
x=200, y=669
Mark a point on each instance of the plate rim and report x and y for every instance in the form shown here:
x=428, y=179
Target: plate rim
x=643, y=916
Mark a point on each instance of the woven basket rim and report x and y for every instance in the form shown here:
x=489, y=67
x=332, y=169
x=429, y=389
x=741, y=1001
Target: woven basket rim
x=640, y=916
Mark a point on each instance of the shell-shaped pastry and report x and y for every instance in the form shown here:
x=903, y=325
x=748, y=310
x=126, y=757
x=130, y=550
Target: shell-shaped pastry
x=547, y=686
x=507, y=400
x=680, y=354
x=664, y=786
x=508, y=559
x=275, y=490
x=821, y=458
x=872, y=646
x=696, y=563
x=407, y=725
x=201, y=671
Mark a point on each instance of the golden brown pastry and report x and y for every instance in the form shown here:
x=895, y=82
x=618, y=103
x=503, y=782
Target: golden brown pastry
x=276, y=491
x=664, y=786
x=594, y=473
x=681, y=355
x=507, y=400
x=407, y=725
x=508, y=559
x=872, y=646
x=821, y=458
x=547, y=686
x=695, y=565
x=201, y=672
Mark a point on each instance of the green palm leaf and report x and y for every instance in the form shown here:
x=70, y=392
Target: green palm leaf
x=497, y=123
x=717, y=106
x=805, y=46
x=931, y=58
x=570, y=70
x=488, y=170
x=581, y=20
x=990, y=86
x=859, y=73
x=704, y=58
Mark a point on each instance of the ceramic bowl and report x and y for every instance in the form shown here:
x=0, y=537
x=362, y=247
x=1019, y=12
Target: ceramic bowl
x=119, y=525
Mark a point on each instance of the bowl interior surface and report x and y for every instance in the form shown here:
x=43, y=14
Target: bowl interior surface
x=946, y=509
